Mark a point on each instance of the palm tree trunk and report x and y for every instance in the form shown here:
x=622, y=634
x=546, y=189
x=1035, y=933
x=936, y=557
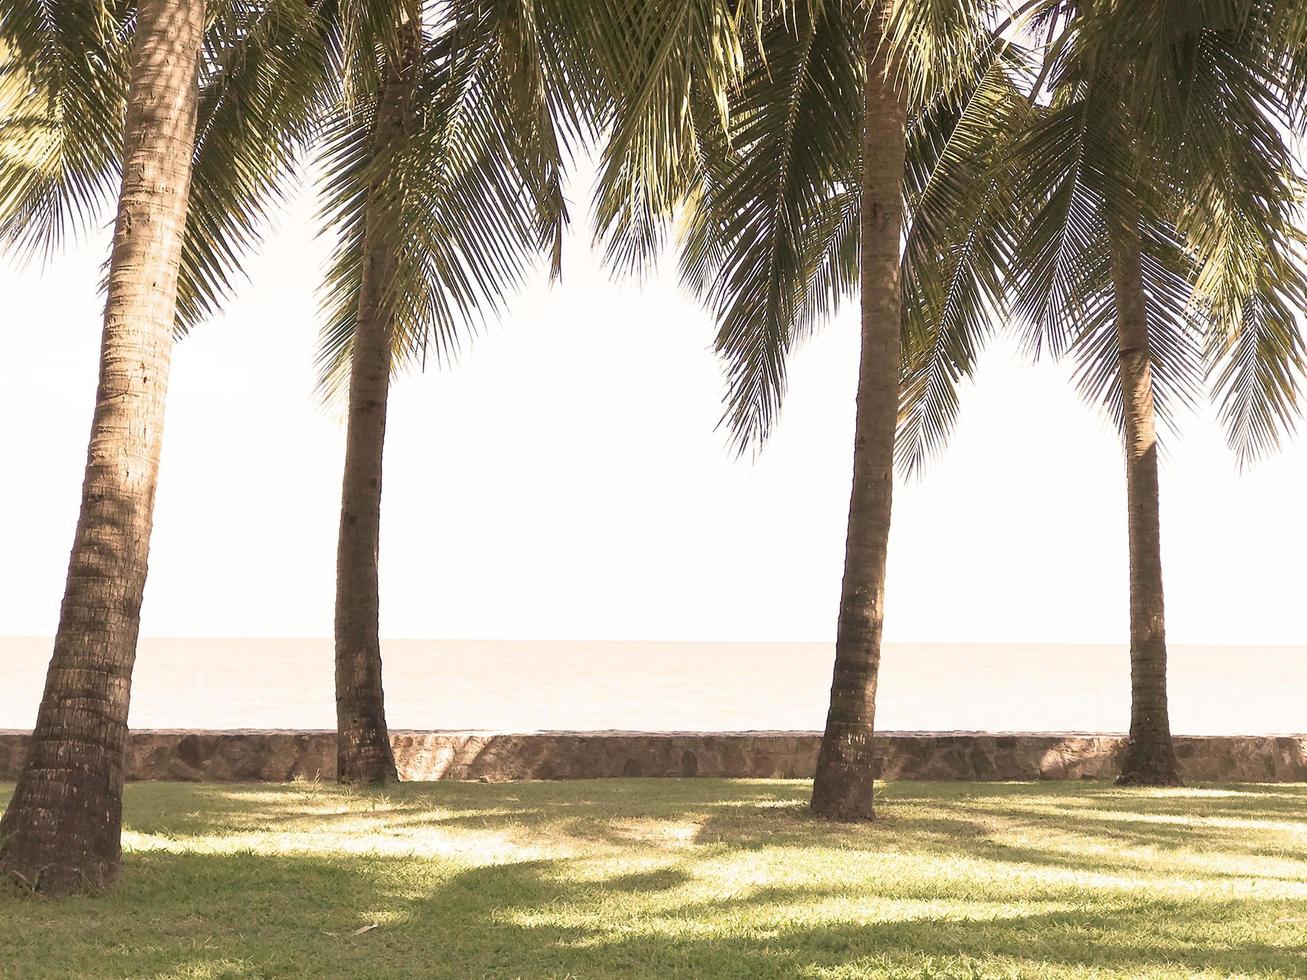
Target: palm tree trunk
x=363, y=752
x=842, y=789
x=1150, y=756
x=62, y=830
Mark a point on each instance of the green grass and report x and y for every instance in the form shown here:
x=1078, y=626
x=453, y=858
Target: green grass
x=685, y=878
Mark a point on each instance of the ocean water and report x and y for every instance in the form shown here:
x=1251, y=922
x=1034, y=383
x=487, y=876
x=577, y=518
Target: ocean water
x=538, y=685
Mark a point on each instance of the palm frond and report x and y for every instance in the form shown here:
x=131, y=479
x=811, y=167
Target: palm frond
x=472, y=193
x=780, y=203
x=1175, y=332
x=937, y=42
x=964, y=216
x=268, y=77
x=1256, y=285
x=63, y=86
x=1060, y=256
x=655, y=61
x=1242, y=204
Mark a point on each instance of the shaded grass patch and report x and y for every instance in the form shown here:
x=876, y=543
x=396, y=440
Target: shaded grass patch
x=685, y=878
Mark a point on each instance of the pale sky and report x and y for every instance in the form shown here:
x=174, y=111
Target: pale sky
x=564, y=481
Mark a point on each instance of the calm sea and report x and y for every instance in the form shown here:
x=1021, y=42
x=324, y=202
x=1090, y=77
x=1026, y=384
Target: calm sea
x=525, y=686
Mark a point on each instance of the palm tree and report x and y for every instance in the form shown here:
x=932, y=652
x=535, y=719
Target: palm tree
x=443, y=186
x=800, y=161
x=61, y=830
x=188, y=191
x=842, y=788
x=363, y=739
x=1156, y=244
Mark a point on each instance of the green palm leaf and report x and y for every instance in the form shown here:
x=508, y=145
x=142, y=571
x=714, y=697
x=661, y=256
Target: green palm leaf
x=794, y=143
x=963, y=208
x=473, y=194
x=269, y=73
x=63, y=86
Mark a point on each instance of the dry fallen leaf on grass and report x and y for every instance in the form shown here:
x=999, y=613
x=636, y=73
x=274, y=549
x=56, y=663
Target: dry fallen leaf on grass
x=357, y=932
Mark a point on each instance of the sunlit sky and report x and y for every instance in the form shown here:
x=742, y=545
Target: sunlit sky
x=565, y=481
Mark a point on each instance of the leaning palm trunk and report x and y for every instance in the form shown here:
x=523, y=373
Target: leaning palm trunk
x=63, y=827
x=846, y=765
x=1150, y=757
x=363, y=753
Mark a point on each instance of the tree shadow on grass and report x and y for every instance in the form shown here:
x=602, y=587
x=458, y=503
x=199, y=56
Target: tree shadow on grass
x=1131, y=939
x=243, y=915
x=940, y=887
x=1117, y=842
x=754, y=814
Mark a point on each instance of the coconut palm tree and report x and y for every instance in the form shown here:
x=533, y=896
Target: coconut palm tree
x=800, y=156
x=363, y=748
x=1157, y=247
x=206, y=117
x=443, y=184
x=61, y=829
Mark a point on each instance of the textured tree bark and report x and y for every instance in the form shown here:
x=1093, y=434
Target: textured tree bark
x=363, y=753
x=1150, y=755
x=62, y=829
x=842, y=789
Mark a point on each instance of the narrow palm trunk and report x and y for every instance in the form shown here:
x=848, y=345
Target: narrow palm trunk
x=1150, y=756
x=62, y=830
x=363, y=753
x=846, y=766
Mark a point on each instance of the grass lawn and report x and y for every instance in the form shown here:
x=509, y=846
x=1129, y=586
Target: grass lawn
x=685, y=878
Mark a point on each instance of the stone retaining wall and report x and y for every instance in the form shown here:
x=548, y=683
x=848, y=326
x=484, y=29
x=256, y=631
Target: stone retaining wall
x=230, y=756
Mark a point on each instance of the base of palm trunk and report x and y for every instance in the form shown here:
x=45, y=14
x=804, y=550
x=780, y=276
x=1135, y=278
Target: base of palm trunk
x=51, y=869
x=1150, y=763
x=36, y=875
x=366, y=764
x=843, y=791
x=842, y=810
